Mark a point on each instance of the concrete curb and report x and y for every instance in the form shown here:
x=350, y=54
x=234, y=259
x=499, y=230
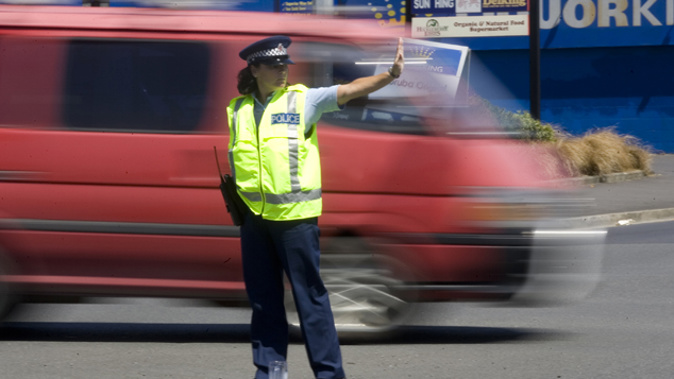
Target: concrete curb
x=610, y=178
x=619, y=219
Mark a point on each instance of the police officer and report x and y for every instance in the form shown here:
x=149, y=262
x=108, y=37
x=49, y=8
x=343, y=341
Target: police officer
x=273, y=155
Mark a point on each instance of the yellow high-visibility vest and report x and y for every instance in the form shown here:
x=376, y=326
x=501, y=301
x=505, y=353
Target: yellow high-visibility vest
x=276, y=165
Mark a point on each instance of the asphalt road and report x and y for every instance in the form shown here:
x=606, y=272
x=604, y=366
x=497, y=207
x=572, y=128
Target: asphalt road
x=623, y=330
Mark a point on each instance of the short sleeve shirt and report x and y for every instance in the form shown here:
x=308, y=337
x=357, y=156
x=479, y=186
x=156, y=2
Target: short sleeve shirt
x=318, y=101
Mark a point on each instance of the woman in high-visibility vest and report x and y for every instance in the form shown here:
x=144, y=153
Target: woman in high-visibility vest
x=274, y=158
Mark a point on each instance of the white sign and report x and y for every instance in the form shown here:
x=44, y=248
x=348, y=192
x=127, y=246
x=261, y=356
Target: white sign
x=470, y=26
x=432, y=74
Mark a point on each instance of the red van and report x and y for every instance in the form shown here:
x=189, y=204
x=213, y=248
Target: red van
x=109, y=184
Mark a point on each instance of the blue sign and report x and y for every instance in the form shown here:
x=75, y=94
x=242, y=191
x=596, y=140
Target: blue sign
x=297, y=6
x=591, y=23
x=435, y=8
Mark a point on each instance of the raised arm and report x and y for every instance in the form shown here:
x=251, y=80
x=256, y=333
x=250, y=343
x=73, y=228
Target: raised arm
x=363, y=86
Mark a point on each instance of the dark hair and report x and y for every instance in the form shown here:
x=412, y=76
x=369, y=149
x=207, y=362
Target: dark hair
x=247, y=84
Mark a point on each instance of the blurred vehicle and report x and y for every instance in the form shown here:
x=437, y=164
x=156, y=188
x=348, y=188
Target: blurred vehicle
x=109, y=185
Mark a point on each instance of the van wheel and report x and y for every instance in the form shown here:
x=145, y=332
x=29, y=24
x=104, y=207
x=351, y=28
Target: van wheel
x=364, y=295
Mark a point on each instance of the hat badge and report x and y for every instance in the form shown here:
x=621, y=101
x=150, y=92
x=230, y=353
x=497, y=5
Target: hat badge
x=281, y=49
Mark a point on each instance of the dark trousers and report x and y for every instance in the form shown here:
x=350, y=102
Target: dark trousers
x=268, y=249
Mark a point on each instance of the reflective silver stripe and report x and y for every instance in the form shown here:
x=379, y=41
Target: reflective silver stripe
x=293, y=145
x=294, y=197
x=252, y=196
x=237, y=105
x=286, y=198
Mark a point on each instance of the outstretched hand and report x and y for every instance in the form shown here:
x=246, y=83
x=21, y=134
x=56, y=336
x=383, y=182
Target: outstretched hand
x=399, y=60
x=368, y=84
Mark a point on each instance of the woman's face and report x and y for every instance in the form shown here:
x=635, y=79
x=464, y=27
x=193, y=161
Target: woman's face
x=270, y=78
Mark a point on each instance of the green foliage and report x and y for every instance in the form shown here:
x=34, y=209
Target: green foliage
x=528, y=127
x=522, y=124
x=598, y=152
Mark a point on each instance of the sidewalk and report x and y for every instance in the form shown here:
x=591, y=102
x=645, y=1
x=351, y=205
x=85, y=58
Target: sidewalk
x=623, y=199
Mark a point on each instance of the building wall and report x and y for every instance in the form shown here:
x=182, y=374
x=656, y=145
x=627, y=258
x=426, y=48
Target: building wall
x=604, y=63
x=629, y=88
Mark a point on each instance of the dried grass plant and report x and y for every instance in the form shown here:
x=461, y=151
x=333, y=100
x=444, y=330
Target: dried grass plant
x=602, y=152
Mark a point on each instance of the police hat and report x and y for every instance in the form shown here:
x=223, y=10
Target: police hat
x=271, y=51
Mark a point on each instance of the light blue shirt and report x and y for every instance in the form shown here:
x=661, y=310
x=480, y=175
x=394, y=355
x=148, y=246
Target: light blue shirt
x=318, y=101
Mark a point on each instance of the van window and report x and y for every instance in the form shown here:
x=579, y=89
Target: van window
x=132, y=85
x=330, y=63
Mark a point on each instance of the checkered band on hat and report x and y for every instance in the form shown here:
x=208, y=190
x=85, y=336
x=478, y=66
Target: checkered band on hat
x=278, y=51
